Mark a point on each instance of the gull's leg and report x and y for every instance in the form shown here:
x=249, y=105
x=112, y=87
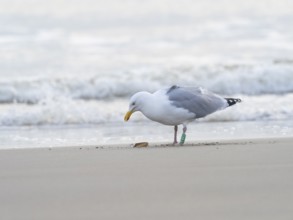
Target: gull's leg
x=175, y=134
x=183, y=136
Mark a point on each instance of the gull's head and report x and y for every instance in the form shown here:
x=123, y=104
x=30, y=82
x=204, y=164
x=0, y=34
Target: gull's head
x=136, y=103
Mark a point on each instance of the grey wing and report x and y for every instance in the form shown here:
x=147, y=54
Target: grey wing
x=197, y=100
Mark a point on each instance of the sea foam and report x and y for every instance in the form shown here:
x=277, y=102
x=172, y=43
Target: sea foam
x=82, y=112
x=226, y=80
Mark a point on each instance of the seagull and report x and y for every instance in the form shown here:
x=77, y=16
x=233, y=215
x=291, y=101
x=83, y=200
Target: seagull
x=177, y=105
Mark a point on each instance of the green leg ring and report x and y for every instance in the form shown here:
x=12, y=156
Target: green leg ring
x=182, y=140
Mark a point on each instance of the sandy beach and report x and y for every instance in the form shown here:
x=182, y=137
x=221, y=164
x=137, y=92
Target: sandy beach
x=235, y=179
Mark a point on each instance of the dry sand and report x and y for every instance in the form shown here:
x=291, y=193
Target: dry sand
x=247, y=179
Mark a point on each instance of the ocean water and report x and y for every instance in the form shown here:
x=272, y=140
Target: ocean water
x=66, y=64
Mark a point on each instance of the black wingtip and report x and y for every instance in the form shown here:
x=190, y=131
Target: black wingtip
x=172, y=88
x=232, y=101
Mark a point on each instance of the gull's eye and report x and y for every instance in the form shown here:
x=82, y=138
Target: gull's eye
x=133, y=103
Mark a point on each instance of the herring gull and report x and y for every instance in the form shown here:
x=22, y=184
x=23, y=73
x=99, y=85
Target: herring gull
x=178, y=105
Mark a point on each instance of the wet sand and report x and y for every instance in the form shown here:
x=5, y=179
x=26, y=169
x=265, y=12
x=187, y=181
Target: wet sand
x=236, y=179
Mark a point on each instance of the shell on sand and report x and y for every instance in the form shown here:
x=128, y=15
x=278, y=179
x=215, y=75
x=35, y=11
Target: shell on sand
x=141, y=144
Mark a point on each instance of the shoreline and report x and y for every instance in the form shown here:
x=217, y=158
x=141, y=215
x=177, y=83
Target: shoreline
x=123, y=135
x=164, y=144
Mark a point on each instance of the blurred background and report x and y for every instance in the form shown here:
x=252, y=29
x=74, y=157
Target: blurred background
x=76, y=63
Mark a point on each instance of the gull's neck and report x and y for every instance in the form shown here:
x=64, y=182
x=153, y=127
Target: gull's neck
x=151, y=105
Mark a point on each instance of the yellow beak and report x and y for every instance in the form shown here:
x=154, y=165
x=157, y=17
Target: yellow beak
x=127, y=115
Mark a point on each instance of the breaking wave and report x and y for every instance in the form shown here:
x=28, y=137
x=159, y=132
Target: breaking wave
x=79, y=112
x=228, y=80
